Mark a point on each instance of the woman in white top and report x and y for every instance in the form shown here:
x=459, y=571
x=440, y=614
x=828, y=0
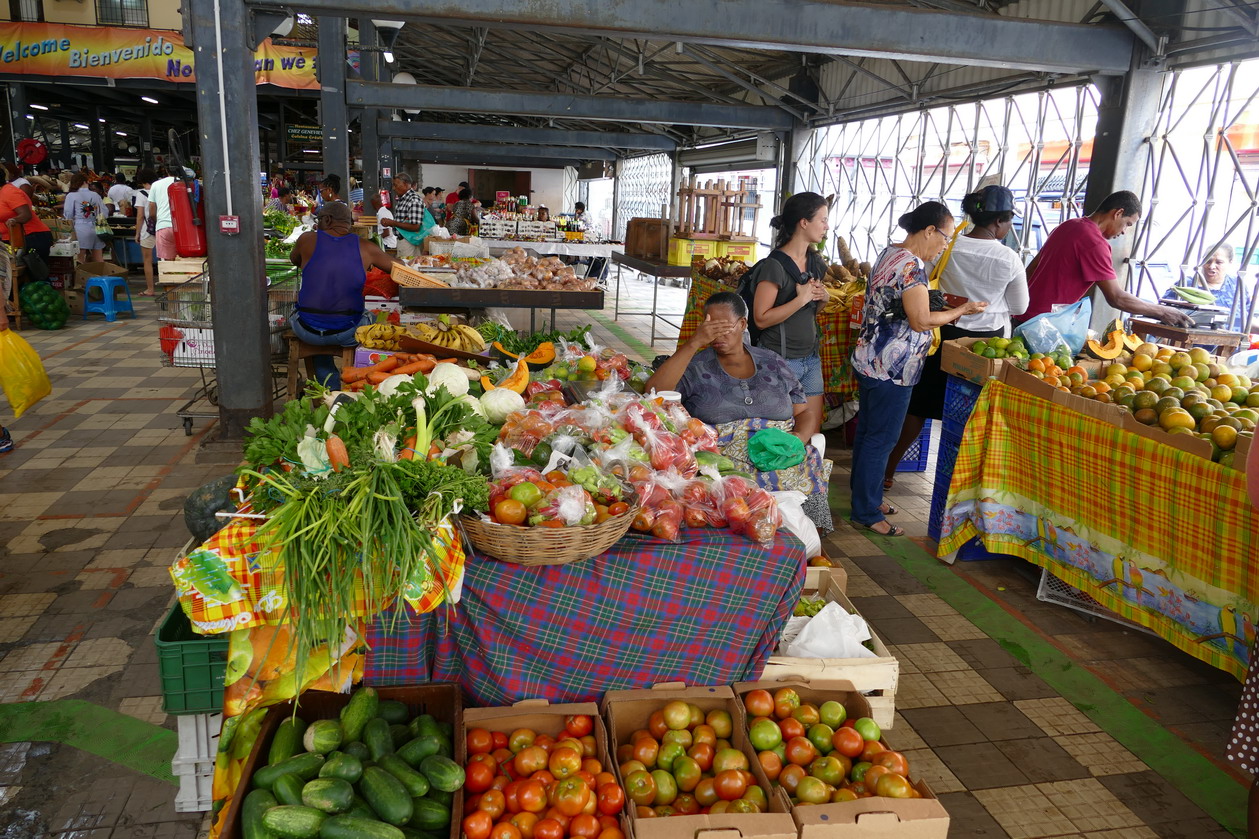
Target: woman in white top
x=980, y=267
x=146, y=240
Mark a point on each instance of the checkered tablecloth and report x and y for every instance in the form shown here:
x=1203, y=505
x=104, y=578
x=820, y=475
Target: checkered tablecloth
x=707, y=610
x=1162, y=537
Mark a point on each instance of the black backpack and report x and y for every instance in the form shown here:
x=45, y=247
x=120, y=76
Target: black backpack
x=750, y=280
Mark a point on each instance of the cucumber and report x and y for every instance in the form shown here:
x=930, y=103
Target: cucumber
x=354, y=827
x=377, y=738
x=347, y=767
x=332, y=795
x=361, y=708
x=400, y=734
x=304, y=766
x=416, y=750
x=355, y=748
x=445, y=746
x=386, y=795
x=294, y=821
x=441, y=797
x=446, y=729
x=323, y=736
x=429, y=815
x=442, y=772
x=412, y=833
x=393, y=712
x=287, y=740
x=416, y=784
x=288, y=789
x=359, y=807
x=425, y=724
x=255, y=804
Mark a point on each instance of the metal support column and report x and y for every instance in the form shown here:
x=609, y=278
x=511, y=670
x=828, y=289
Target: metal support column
x=227, y=112
x=64, y=152
x=333, y=112
x=369, y=62
x=19, y=125
x=146, y=142
x=97, y=132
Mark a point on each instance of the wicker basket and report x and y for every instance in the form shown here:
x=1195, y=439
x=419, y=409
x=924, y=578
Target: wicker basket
x=546, y=545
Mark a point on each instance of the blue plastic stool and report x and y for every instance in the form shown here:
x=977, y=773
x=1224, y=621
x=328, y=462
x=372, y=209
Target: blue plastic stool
x=110, y=304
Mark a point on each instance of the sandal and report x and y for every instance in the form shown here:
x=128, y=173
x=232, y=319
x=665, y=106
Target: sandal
x=888, y=484
x=888, y=510
x=892, y=530
x=148, y=294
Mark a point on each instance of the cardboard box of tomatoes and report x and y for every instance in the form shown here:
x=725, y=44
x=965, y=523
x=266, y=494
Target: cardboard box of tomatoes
x=699, y=773
x=829, y=748
x=877, y=677
x=532, y=783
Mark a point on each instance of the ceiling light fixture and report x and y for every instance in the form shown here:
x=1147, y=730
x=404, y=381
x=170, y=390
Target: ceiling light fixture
x=150, y=100
x=387, y=31
x=39, y=107
x=80, y=125
x=121, y=133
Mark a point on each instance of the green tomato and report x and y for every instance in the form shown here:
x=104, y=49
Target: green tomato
x=765, y=735
x=832, y=713
x=868, y=729
x=526, y=493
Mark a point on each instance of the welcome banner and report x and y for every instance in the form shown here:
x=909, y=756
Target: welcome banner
x=102, y=52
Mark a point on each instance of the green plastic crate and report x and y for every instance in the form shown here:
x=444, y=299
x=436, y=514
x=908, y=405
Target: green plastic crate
x=191, y=666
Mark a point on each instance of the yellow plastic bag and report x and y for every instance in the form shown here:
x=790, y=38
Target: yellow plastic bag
x=22, y=374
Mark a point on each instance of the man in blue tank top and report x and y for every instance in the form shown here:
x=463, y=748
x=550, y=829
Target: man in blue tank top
x=334, y=265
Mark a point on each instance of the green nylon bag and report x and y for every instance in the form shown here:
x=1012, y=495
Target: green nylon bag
x=771, y=449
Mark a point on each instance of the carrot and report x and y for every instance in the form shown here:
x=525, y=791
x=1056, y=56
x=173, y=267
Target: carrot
x=338, y=457
x=426, y=362
x=354, y=387
x=446, y=361
x=385, y=364
x=434, y=451
x=408, y=449
x=377, y=376
x=350, y=375
x=408, y=369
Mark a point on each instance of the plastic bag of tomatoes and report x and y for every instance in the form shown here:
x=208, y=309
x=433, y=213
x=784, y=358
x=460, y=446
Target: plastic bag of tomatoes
x=668, y=451
x=748, y=509
x=699, y=508
x=525, y=785
x=660, y=513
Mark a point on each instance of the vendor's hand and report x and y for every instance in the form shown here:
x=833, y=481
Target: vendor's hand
x=974, y=307
x=1175, y=317
x=709, y=331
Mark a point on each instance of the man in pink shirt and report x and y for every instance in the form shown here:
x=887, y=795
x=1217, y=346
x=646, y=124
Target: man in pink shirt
x=1077, y=256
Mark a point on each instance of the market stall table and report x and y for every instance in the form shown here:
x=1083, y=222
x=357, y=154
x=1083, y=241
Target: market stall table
x=567, y=248
x=1179, y=337
x=706, y=610
x=443, y=299
x=657, y=271
x=1162, y=537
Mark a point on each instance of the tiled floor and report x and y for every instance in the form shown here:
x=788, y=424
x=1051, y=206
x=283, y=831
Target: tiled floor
x=91, y=514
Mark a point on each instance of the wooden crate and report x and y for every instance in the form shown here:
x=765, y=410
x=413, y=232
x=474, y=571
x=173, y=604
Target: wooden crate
x=647, y=238
x=814, y=579
x=876, y=677
x=174, y=271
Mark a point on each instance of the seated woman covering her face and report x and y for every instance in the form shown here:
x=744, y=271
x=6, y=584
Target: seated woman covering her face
x=742, y=390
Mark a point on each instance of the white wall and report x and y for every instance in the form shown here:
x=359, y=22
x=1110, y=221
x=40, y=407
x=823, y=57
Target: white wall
x=548, y=184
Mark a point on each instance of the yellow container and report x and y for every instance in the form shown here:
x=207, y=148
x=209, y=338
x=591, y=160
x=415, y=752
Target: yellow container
x=681, y=251
x=742, y=251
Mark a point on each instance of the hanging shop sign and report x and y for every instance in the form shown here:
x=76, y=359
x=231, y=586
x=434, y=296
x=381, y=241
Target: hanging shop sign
x=51, y=49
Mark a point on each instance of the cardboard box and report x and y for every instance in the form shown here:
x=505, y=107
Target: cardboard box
x=371, y=303
x=626, y=711
x=876, y=676
x=441, y=700
x=815, y=577
x=866, y=818
x=74, y=299
x=96, y=269
x=957, y=359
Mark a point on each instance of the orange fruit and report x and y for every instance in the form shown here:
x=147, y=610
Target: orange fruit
x=510, y=511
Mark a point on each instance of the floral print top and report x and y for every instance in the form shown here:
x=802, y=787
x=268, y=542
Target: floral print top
x=888, y=348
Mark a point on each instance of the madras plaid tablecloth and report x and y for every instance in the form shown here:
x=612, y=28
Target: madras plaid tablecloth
x=702, y=288
x=706, y=610
x=1164, y=538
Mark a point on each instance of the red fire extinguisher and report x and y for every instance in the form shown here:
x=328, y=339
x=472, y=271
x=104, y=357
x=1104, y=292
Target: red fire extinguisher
x=187, y=215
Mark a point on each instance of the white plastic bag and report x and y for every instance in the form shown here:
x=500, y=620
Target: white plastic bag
x=832, y=633
x=795, y=624
x=791, y=507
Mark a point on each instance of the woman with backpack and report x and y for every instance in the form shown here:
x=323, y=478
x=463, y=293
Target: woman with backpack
x=784, y=293
x=145, y=238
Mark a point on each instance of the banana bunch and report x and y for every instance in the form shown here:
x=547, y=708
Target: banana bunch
x=841, y=297
x=379, y=336
x=455, y=336
x=1196, y=296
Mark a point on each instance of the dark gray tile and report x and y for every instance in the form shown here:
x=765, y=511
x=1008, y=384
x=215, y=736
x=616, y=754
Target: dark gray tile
x=1042, y=760
x=1017, y=683
x=980, y=765
x=1152, y=798
x=1000, y=721
x=943, y=726
x=967, y=817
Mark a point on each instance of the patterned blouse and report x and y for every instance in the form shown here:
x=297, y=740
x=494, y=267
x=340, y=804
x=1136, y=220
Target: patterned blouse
x=888, y=348
x=711, y=394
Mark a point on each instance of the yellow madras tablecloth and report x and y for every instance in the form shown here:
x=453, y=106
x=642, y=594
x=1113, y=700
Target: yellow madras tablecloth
x=1164, y=538
x=838, y=339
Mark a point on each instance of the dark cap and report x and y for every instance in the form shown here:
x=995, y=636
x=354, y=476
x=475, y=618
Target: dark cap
x=336, y=211
x=990, y=199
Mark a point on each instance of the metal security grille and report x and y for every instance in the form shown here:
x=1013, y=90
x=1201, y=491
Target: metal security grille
x=122, y=12
x=883, y=167
x=642, y=189
x=1202, y=181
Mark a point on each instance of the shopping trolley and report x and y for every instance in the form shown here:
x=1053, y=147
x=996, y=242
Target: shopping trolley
x=186, y=338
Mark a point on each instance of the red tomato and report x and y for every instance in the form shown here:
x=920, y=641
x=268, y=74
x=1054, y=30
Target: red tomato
x=703, y=754
x=657, y=725
x=706, y=792
x=704, y=733
x=480, y=741
x=478, y=825
x=611, y=833
x=578, y=725
x=587, y=778
x=492, y=802
x=543, y=776
x=480, y=775
x=532, y=796
x=729, y=785
x=529, y=760
x=604, y=778
x=645, y=751
x=591, y=766
x=545, y=742
x=571, y=795
x=608, y=821
x=848, y=742
x=870, y=749
x=520, y=739
x=525, y=823
x=547, y=829
x=800, y=751
x=611, y=799
x=790, y=777
x=791, y=728
x=505, y=830
x=500, y=782
x=584, y=826
x=685, y=804
x=759, y=703
x=500, y=739
x=588, y=746
x=558, y=817
x=771, y=764
x=895, y=763
x=510, y=796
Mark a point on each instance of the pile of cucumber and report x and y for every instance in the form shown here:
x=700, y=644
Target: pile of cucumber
x=375, y=773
